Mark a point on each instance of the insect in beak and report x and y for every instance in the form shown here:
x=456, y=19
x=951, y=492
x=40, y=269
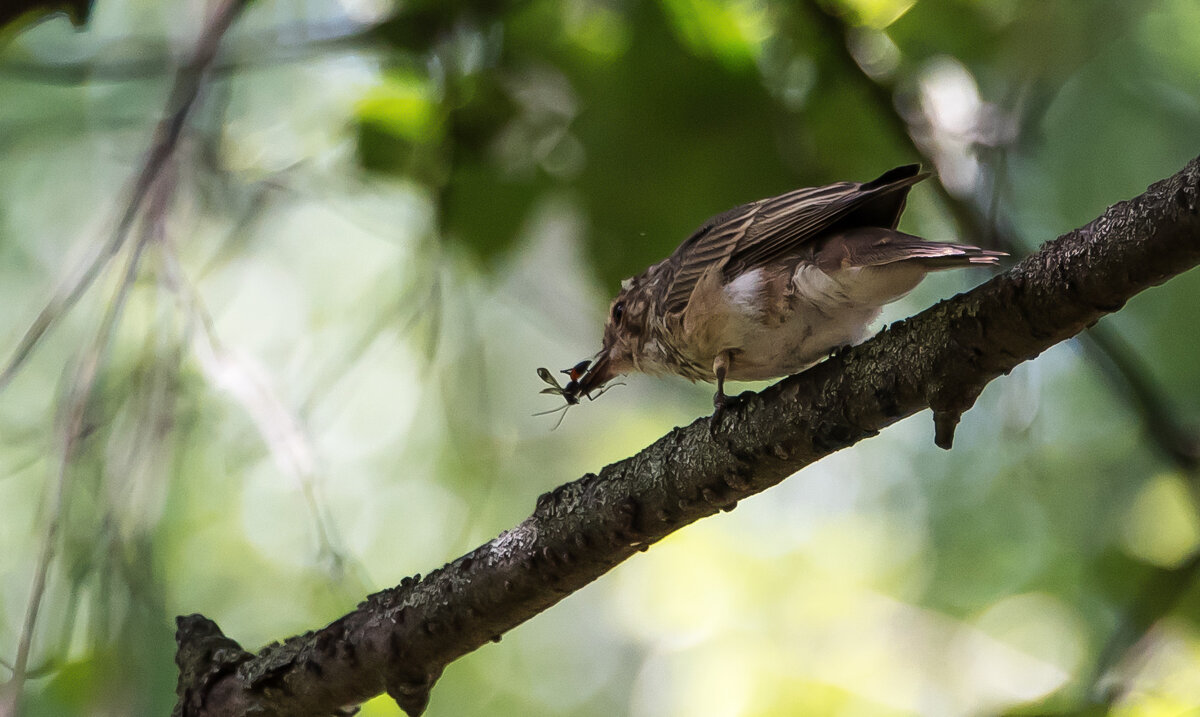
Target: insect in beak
x=571, y=397
x=571, y=391
x=576, y=372
x=566, y=392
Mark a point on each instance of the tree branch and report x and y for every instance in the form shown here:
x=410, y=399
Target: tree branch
x=400, y=639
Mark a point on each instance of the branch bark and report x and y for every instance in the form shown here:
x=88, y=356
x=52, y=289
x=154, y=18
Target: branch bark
x=400, y=639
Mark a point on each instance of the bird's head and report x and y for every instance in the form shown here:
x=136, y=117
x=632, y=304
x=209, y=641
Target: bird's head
x=624, y=338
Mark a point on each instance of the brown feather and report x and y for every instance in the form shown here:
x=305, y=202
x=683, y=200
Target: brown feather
x=877, y=246
x=763, y=232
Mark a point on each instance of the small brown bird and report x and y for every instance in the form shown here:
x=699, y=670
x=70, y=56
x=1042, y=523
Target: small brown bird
x=770, y=288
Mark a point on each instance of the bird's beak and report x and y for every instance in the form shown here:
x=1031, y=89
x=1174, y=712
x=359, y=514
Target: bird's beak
x=598, y=374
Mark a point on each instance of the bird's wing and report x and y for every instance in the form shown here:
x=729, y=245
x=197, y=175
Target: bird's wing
x=710, y=245
x=758, y=233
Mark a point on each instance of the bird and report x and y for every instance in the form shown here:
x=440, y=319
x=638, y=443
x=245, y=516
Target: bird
x=769, y=288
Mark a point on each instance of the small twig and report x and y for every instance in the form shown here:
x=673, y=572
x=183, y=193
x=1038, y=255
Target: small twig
x=280, y=429
x=155, y=55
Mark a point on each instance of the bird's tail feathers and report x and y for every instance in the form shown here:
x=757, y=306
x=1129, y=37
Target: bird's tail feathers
x=940, y=255
x=903, y=176
x=877, y=246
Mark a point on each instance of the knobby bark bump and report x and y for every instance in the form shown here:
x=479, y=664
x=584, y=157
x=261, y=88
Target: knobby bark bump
x=400, y=639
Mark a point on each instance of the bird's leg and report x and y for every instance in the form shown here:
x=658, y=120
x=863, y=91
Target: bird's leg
x=720, y=368
x=720, y=400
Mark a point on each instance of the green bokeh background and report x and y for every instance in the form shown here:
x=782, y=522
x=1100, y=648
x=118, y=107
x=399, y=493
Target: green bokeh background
x=384, y=218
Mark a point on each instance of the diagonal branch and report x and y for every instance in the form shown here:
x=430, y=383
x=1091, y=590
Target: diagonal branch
x=399, y=640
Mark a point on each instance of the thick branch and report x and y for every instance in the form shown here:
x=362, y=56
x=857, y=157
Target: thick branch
x=401, y=639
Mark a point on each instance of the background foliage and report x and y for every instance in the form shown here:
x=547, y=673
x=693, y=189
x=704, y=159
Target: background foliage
x=385, y=217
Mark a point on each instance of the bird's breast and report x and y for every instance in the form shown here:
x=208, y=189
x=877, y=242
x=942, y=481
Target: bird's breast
x=776, y=322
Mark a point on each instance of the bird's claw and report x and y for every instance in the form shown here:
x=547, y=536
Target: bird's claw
x=721, y=403
x=839, y=351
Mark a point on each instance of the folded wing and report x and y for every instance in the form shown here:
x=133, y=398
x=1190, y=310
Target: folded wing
x=765, y=231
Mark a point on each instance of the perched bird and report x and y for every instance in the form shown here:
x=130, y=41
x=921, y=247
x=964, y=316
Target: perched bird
x=769, y=288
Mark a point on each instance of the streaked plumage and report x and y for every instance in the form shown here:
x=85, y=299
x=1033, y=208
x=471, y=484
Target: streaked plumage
x=771, y=287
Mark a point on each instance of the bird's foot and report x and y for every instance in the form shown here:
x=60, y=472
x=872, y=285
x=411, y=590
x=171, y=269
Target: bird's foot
x=720, y=400
x=721, y=403
x=840, y=350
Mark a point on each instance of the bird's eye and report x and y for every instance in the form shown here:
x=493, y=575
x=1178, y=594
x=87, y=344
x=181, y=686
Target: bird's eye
x=618, y=311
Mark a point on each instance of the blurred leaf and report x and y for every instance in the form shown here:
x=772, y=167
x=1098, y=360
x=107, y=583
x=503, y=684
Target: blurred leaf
x=75, y=687
x=727, y=29
x=964, y=29
x=875, y=13
x=1123, y=579
x=1161, y=526
x=405, y=105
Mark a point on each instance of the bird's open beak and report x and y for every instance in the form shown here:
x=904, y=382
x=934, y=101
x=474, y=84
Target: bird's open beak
x=598, y=374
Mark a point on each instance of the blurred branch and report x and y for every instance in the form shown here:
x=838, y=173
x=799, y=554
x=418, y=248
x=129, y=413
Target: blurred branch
x=1129, y=374
x=1164, y=587
x=79, y=395
x=400, y=639
x=152, y=186
x=186, y=89
x=1160, y=593
x=154, y=57
x=281, y=429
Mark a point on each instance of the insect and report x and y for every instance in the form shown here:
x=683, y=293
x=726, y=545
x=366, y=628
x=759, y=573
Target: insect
x=571, y=391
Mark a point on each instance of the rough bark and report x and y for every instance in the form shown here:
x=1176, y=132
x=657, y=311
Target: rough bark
x=399, y=640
